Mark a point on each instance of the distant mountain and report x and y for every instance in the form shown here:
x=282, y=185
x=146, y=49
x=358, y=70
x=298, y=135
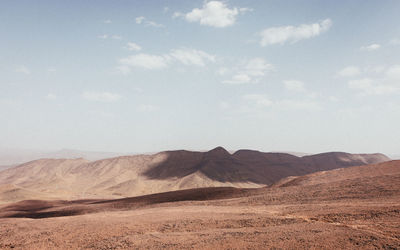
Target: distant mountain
x=126, y=176
x=2, y=167
x=10, y=156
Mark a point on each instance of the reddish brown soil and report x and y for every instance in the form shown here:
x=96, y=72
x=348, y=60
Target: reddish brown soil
x=356, y=208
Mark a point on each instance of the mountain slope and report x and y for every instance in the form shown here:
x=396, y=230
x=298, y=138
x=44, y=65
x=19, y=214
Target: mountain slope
x=166, y=171
x=390, y=168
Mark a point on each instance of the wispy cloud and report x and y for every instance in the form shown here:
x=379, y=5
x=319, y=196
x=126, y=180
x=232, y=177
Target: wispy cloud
x=297, y=86
x=294, y=85
x=108, y=21
x=191, y=56
x=106, y=36
x=258, y=99
x=145, y=22
x=139, y=19
x=293, y=34
x=250, y=72
x=349, y=71
x=133, y=46
x=262, y=101
x=183, y=56
x=101, y=96
x=386, y=82
x=213, y=13
x=145, y=61
x=371, y=47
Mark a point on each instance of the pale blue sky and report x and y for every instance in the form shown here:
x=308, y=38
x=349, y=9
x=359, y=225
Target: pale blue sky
x=140, y=76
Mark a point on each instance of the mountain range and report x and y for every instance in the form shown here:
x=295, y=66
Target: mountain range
x=126, y=176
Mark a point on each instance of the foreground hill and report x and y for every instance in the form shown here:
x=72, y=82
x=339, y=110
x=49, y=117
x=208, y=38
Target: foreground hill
x=166, y=171
x=356, y=207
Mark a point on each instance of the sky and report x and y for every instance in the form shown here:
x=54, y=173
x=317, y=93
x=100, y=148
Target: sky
x=146, y=76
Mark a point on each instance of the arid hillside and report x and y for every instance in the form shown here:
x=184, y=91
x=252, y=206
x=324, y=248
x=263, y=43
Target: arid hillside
x=356, y=207
x=127, y=176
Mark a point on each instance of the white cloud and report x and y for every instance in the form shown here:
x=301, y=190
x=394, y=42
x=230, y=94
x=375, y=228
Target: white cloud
x=145, y=61
x=239, y=79
x=360, y=83
x=108, y=21
x=258, y=99
x=245, y=10
x=299, y=87
x=213, y=13
x=101, y=96
x=133, y=46
x=294, y=85
x=184, y=56
x=262, y=101
x=383, y=81
x=139, y=19
x=292, y=34
x=257, y=67
x=349, y=71
x=367, y=86
x=192, y=56
x=23, y=69
x=105, y=36
x=154, y=24
x=143, y=20
x=51, y=96
x=371, y=47
x=251, y=71
x=123, y=69
x=375, y=69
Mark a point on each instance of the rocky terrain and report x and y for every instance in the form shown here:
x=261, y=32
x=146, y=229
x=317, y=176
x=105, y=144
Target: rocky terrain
x=354, y=207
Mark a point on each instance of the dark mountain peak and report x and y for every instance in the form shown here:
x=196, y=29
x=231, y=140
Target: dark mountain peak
x=246, y=151
x=218, y=152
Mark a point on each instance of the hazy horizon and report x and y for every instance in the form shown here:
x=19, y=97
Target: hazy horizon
x=148, y=76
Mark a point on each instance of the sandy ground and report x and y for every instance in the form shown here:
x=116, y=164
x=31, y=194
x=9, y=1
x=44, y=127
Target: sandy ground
x=361, y=211
x=216, y=224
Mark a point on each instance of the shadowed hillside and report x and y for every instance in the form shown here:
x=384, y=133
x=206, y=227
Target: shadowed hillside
x=370, y=181
x=166, y=171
